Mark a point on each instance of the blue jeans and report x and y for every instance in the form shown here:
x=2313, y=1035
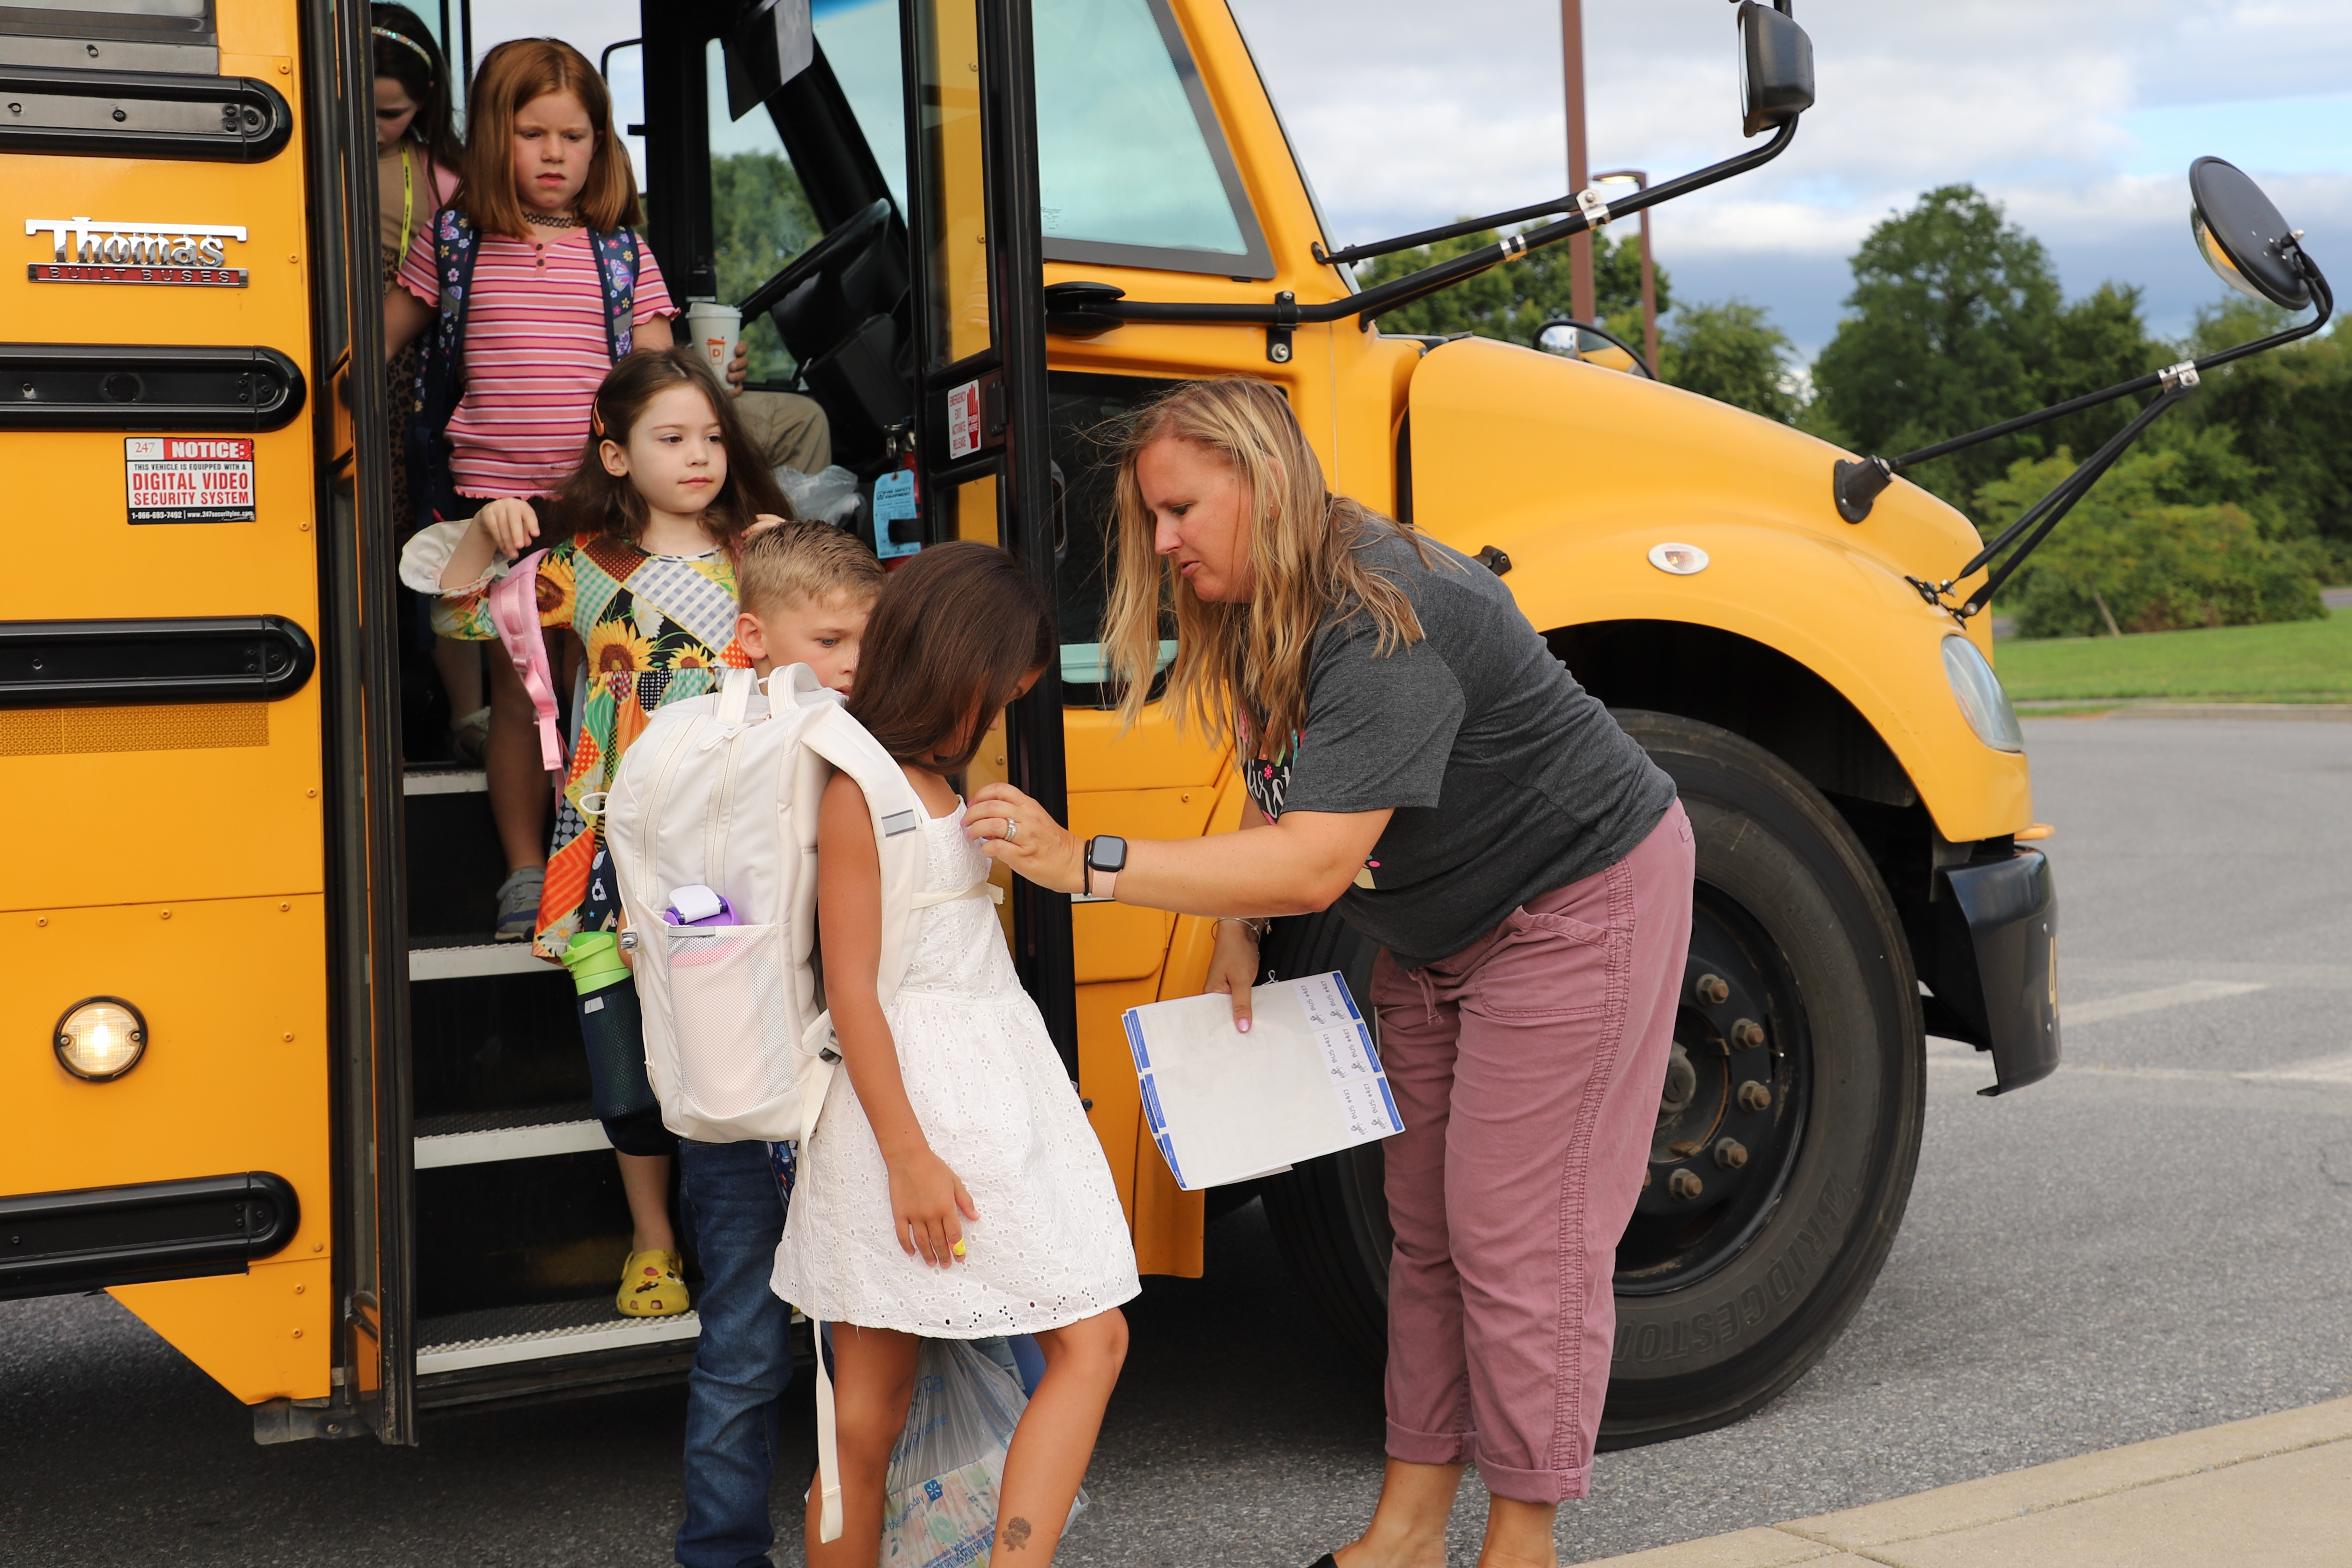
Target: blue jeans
x=734, y=1215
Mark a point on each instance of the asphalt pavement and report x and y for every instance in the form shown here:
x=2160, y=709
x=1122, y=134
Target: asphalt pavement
x=2158, y=1238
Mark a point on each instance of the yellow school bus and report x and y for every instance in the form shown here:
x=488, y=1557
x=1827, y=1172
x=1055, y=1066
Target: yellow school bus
x=265, y=1077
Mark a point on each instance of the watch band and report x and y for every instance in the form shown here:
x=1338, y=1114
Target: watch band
x=1102, y=882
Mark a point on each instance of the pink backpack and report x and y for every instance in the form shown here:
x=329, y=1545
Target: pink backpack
x=514, y=612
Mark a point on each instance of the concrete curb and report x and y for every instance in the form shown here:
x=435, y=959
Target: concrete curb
x=2147, y=708
x=2276, y=1490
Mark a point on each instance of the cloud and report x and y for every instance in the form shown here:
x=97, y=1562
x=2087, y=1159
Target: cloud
x=1406, y=114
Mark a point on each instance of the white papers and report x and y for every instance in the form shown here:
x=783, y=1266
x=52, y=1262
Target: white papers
x=1226, y=1106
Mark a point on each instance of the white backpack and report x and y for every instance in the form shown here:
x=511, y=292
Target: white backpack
x=721, y=792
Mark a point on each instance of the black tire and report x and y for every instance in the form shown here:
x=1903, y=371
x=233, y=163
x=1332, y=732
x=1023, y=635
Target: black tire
x=1727, y=1297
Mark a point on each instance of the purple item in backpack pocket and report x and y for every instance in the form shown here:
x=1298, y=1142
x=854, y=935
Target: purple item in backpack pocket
x=695, y=905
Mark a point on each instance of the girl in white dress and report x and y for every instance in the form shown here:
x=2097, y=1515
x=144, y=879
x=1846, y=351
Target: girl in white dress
x=951, y=1188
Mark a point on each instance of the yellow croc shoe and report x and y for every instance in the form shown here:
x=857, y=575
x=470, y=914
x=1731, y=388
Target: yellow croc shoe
x=653, y=1285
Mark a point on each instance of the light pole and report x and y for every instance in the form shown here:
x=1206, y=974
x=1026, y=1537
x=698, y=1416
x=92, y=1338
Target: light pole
x=1580, y=247
x=1649, y=274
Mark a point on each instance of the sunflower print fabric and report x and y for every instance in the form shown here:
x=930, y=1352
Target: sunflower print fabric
x=657, y=629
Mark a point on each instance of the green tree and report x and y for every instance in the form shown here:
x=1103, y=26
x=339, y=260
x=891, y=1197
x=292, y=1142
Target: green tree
x=1513, y=301
x=2289, y=411
x=2151, y=549
x=1957, y=322
x=1731, y=352
x=762, y=221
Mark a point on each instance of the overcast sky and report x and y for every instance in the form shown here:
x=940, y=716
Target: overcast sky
x=2080, y=116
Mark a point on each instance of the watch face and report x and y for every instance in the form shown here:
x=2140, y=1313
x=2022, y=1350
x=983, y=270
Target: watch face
x=1109, y=854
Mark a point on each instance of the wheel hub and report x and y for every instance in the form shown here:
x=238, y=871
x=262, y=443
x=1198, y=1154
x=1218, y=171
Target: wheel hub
x=1726, y=1127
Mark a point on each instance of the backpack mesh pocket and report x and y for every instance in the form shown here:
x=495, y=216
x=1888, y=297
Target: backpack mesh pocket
x=734, y=1018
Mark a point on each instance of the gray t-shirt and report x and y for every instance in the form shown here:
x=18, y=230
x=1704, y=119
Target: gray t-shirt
x=1507, y=779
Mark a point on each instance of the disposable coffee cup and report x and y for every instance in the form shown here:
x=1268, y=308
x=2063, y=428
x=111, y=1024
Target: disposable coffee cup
x=715, y=330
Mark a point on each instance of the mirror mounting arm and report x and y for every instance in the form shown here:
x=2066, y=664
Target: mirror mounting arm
x=1855, y=484
x=2045, y=514
x=1085, y=309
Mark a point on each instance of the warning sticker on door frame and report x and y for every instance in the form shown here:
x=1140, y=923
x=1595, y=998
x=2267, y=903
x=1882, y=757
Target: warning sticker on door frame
x=188, y=479
x=964, y=421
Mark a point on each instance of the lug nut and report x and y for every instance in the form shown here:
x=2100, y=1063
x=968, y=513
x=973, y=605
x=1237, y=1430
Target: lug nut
x=1685, y=1185
x=1712, y=990
x=1754, y=1096
x=1731, y=1153
x=1746, y=1034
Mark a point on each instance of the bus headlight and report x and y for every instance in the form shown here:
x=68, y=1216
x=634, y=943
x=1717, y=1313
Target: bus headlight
x=101, y=1038
x=1980, y=696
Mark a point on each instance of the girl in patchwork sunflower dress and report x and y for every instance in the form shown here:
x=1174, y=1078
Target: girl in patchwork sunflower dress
x=664, y=496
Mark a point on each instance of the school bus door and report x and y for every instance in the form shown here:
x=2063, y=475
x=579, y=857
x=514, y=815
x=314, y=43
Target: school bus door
x=931, y=109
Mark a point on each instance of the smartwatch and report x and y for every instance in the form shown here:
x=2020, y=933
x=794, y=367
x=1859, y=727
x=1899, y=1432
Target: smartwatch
x=1106, y=859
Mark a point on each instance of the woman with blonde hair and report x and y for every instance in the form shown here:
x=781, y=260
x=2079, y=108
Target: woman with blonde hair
x=1419, y=762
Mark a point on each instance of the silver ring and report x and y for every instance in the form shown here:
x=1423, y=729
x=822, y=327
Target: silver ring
x=1011, y=829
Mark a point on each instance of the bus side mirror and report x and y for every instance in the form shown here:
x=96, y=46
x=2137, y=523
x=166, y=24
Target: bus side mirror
x=2242, y=237
x=766, y=49
x=1776, y=68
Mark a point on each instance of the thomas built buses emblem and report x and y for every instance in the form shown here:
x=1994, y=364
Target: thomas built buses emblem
x=93, y=250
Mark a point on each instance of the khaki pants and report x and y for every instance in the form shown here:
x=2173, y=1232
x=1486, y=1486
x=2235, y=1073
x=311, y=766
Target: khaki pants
x=787, y=430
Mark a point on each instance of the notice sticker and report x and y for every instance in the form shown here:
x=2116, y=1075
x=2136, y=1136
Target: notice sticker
x=188, y=479
x=964, y=421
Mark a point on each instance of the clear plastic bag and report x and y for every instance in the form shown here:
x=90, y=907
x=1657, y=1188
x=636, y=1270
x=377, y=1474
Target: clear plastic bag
x=830, y=495
x=939, y=1506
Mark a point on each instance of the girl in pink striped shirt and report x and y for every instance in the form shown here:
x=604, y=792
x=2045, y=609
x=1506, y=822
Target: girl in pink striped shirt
x=543, y=173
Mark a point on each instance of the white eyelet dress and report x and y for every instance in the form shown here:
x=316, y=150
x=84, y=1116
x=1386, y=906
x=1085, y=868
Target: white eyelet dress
x=1051, y=1245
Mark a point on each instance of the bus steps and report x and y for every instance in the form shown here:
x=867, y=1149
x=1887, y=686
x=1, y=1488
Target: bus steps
x=520, y=1224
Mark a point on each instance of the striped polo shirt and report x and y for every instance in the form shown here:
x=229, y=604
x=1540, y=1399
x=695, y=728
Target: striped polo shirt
x=535, y=354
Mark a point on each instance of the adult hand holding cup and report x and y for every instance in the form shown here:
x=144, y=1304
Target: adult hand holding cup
x=715, y=330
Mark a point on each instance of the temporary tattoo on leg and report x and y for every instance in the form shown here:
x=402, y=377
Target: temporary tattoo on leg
x=1016, y=1534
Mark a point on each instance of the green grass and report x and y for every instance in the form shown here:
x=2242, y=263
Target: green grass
x=2291, y=661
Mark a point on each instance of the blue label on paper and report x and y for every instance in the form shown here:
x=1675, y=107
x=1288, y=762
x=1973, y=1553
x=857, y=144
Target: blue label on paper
x=894, y=504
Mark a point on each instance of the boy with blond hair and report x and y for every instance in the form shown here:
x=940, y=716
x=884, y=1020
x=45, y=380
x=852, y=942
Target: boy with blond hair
x=803, y=592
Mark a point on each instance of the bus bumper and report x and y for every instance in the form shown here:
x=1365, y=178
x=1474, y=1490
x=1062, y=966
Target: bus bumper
x=1996, y=931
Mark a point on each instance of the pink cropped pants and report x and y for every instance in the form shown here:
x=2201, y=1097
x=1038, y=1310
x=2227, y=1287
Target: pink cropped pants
x=1528, y=1068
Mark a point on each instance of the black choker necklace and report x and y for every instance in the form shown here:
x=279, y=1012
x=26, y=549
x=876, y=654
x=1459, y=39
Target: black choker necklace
x=551, y=220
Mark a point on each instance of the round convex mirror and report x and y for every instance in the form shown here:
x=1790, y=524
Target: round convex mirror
x=1561, y=340
x=2241, y=236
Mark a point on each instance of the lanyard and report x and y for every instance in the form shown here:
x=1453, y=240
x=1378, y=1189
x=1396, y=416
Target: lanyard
x=407, y=196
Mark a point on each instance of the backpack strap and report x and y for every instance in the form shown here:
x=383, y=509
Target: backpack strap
x=514, y=611
x=897, y=816
x=828, y=1449
x=984, y=889
x=618, y=261
x=441, y=367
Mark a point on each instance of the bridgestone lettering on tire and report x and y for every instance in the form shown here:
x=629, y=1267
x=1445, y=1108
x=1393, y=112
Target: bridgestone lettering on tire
x=1718, y=1312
